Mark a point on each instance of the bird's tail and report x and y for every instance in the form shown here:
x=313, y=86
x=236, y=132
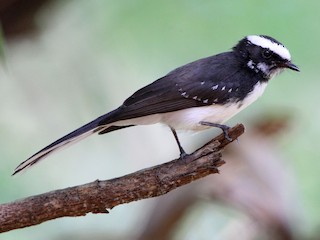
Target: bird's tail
x=67, y=140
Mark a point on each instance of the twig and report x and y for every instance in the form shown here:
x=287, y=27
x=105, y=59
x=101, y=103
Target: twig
x=98, y=196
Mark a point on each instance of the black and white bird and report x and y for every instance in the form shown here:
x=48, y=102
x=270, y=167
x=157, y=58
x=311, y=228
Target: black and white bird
x=196, y=96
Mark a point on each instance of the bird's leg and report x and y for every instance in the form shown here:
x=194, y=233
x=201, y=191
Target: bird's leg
x=224, y=128
x=183, y=154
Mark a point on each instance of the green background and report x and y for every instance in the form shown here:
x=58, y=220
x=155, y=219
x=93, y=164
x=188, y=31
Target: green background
x=91, y=55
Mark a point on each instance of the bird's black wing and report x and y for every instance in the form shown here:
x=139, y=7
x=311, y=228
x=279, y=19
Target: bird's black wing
x=200, y=83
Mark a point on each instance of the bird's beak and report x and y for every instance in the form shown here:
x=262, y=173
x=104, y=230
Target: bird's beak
x=291, y=66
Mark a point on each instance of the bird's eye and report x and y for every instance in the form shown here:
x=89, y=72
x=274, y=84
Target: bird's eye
x=266, y=53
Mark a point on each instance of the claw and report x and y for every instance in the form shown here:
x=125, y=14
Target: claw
x=183, y=155
x=186, y=158
x=226, y=134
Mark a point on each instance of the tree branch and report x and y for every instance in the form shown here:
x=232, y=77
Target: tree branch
x=98, y=196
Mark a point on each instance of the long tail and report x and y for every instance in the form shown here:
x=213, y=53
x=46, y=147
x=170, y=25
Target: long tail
x=67, y=140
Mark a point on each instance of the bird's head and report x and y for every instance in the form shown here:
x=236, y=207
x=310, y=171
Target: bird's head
x=264, y=55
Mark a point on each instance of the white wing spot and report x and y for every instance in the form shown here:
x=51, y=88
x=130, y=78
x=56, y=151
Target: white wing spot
x=206, y=101
x=202, y=82
x=195, y=97
x=215, y=87
x=184, y=94
x=216, y=100
x=223, y=88
x=230, y=90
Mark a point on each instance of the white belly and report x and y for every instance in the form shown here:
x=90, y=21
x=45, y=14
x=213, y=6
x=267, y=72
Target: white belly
x=188, y=119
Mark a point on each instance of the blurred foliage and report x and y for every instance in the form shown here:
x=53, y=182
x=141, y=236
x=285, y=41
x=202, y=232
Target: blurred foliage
x=2, y=43
x=91, y=55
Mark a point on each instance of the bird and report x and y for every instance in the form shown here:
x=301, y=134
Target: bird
x=196, y=96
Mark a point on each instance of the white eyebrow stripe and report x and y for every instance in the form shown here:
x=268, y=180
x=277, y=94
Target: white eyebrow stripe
x=279, y=49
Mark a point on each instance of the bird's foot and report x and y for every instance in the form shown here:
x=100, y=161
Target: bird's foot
x=183, y=155
x=224, y=128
